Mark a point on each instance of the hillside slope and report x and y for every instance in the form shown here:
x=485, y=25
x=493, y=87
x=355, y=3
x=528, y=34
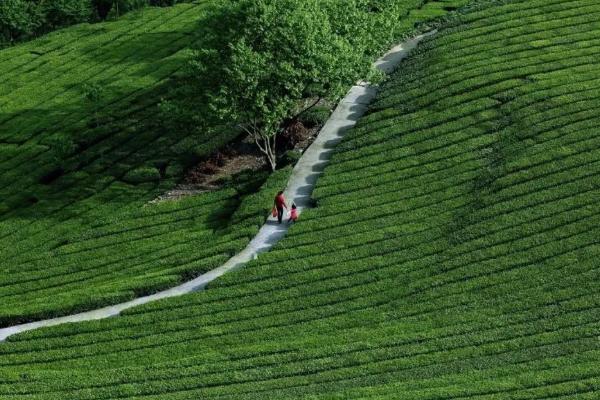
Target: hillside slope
x=78, y=107
x=452, y=253
x=84, y=147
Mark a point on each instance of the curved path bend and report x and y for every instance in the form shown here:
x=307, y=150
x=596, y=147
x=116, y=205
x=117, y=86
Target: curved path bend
x=300, y=187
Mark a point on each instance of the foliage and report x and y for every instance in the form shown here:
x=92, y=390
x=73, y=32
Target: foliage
x=89, y=124
x=92, y=93
x=164, y=3
x=18, y=18
x=23, y=19
x=286, y=52
x=100, y=107
x=125, y=251
x=453, y=254
x=61, y=13
x=315, y=116
x=26, y=19
x=81, y=109
x=280, y=53
x=142, y=174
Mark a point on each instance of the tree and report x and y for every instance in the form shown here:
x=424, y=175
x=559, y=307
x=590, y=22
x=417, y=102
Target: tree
x=103, y=7
x=280, y=53
x=17, y=19
x=23, y=19
x=59, y=13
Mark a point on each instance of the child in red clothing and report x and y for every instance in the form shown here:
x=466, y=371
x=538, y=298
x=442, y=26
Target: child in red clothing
x=293, y=214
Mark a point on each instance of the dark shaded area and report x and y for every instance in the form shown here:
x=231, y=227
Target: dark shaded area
x=79, y=164
x=245, y=183
x=52, y=176
x=103, y=7
x=22, y=21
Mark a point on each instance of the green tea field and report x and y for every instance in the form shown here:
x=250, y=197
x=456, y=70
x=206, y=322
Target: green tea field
x=74, y=137
x=84, y=147
x=452, y=253
x=76, y=233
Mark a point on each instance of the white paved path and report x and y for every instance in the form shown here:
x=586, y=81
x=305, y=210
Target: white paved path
x=299, y=190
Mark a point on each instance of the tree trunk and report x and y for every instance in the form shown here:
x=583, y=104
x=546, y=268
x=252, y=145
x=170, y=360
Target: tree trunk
x=269, y=150
x=266, y=142
x=267, y=145
x=272, y=158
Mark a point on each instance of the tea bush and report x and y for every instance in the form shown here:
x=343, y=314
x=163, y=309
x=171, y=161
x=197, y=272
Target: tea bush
x=22, y=20
x=453, y=252
x=86, y=142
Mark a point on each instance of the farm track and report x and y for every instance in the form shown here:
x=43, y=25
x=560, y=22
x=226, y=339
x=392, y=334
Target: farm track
x=48, y=272
x=66, y=172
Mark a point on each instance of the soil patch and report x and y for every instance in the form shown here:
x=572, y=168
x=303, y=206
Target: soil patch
x=241, y=155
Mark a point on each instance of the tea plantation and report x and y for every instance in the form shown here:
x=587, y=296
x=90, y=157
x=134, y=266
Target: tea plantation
x=85, y=145
x=77, y=106
x=452, y=253
x=76, y=175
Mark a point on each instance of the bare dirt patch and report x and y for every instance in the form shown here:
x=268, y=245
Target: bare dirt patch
x=240, y=155
x=233, y=159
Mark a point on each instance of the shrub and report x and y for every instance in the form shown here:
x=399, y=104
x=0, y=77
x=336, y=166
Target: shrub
x=123, y=6
x=60, y=13
x=291, y=157
x=174, y=170
x=164, y=3
x=142, y=175
x=25, y=19
x=18, y=19
x=315, y=116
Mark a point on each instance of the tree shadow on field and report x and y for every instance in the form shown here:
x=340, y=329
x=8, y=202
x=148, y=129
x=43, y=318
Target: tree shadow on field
x=97, y=145
x=153, y=53
x=63, y=164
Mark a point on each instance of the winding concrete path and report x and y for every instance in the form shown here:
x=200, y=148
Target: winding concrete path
x=300, y=187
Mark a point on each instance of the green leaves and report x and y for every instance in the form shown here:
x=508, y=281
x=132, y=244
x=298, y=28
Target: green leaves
x=17, y=19
x=395, y=286
x=276, y=54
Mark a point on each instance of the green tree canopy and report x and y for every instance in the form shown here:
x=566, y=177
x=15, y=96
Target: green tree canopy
x=280, y=53
x=17, y=19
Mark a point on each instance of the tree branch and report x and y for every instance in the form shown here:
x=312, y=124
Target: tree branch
x=257, y=141
x=313, y=105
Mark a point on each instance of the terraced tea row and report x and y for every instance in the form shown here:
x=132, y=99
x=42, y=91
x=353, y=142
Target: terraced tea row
x=84, y=147
x=80, y=104
x=453, y=252
x=106, y=257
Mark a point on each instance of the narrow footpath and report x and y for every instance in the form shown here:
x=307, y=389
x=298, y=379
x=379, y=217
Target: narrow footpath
x=300, y=187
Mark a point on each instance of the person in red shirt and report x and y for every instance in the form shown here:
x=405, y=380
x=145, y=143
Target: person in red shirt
x=293, y=214
x=279, y=205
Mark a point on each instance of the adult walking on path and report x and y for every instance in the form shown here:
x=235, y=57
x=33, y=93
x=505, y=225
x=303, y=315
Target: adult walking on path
x=279, y=205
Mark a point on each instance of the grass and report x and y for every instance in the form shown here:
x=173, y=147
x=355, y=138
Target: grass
x=453, y=252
